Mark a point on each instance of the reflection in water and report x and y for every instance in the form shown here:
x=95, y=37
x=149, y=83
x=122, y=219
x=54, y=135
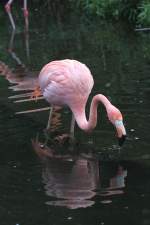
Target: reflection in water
x=75, y=180
x=116, y=183
x=71, y=181
x=23, y=79
x=19, y=77
x=11, y=47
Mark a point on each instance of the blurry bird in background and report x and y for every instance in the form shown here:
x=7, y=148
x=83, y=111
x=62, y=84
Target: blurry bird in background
x=8, y=7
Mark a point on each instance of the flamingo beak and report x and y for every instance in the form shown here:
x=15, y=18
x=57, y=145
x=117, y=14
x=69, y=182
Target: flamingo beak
x=121, y=140
x=121, y=132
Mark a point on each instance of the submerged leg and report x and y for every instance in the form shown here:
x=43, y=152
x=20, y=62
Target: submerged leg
x=26, y=14
x=8, y=10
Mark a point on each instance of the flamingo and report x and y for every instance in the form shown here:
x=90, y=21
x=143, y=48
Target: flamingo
x=69, y=82
x=25, y=12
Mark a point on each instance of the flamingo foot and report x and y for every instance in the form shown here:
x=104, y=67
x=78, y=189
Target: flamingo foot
x=7, y=8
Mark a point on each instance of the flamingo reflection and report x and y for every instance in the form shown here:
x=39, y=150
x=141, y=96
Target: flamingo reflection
x=21, y=77
x=11, y=48
x=70, y=178
x=75, y=180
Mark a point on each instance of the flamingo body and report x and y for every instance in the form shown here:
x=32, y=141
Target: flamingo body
x=66, y=82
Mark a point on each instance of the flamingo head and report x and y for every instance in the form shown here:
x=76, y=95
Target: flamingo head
x=116, y=119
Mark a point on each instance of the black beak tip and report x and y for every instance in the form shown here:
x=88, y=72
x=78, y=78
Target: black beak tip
x=121, y=140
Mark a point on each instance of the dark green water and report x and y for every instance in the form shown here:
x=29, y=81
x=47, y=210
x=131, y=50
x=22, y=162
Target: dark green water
x=98, y=183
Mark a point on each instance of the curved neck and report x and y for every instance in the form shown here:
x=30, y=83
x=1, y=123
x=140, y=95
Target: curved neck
x=80, y=116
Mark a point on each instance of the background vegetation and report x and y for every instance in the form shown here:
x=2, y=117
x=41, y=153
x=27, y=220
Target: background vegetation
x=133, y=11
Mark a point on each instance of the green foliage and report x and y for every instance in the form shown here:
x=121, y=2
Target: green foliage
x=102, y=8
x=134, y=11
x=144, y=15
x=128, y=10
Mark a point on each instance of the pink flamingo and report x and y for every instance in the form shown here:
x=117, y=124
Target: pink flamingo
x=69, y=82
x=25, y=11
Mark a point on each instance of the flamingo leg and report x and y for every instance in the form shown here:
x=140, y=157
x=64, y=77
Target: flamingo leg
x=26, y=14
x=48, y=125
x=49, y=118
x=72, y=126
x=8, y=10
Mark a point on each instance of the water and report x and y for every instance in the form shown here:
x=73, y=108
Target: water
x=96, y=182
